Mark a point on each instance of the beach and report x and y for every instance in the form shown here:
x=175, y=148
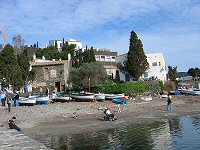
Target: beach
x=59, y=118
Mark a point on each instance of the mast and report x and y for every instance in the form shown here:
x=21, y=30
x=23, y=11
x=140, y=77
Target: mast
x=4, y=35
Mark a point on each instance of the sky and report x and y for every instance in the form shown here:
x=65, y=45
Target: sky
x=168, y=26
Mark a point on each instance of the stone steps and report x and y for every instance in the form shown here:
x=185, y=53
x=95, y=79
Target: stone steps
x=15, y=140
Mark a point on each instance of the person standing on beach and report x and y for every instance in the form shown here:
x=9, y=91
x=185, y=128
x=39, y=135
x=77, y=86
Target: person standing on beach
x=169, y=103
x=9, y=99
x=16, y=98
x=3, y=98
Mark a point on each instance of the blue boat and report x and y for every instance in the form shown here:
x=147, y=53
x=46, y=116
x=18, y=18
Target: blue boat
x=119, y=101
x=42, y=100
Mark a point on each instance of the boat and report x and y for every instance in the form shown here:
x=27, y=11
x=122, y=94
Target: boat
x=83, y=97
x=190, y=91
x=42, y=100
x=30, y=101
x=110, y=97
x=120, y=101
x=100, y=97
x=60, y=97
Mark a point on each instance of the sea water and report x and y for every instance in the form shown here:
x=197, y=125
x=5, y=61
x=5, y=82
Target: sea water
x=175, y=133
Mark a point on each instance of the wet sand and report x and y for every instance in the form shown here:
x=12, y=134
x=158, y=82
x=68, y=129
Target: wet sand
x=58, y=118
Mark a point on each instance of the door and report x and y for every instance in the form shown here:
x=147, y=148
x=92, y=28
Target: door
x=57, y=86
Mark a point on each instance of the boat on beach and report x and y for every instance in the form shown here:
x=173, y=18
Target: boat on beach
x=120, y=101
x=60, y=97
x=190, y=91
x=30, y=101
x=83, y=97
x=100, y=97
x=42, y=100
x=111, y=97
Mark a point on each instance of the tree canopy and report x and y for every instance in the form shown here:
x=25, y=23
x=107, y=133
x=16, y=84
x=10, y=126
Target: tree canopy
x=136, y=59
x=194, y=72
x=9, y=68
x=23, y=61
x=172, y=73
x=90, y=71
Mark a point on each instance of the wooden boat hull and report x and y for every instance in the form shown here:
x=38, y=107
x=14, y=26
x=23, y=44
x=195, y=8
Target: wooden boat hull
x=27, y=101
x=61, y=99
x=119, y=101
x=111, y=97
x=190, y=91
x=42, y=100
x=83, y=97
x=100, y=97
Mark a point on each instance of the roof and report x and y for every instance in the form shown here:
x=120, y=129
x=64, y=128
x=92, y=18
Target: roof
x=47, y=63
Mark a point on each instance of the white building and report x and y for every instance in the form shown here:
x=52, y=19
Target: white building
x=59, y=43
x=157, y=67
x=108, y=58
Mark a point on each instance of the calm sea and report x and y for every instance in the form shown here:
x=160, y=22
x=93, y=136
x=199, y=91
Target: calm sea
x=175, y=134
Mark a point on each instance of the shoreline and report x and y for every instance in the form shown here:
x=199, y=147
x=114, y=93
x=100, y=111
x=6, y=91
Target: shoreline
x=57, y=118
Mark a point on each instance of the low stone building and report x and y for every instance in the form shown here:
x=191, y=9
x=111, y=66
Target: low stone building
x=50, y=74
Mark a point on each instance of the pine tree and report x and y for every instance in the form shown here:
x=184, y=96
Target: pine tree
x=23, y=61
x=172, y=73
x=10, y=69
x=136, y=59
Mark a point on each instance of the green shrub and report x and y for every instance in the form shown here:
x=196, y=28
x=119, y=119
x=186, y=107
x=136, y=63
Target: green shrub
x=128, y=88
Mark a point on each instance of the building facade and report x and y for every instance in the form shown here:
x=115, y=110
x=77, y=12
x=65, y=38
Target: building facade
x=108, y=59
x=59, y=44
x=156, y=70
x=50, y=74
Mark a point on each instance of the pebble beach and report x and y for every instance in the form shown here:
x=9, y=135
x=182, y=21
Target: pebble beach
x=53, y=118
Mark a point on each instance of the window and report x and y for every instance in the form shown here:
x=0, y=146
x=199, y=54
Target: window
x=145, y=75
x=113, y=59
x=154, y=64
x=97, y=58
x=102, y=58
x=46, y=73
x=159, y=64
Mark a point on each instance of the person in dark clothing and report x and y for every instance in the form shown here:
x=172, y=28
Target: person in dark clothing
x=16, y=98
x=108, y=115
x=12, y=124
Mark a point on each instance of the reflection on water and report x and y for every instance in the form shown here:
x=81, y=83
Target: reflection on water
x=180, y=133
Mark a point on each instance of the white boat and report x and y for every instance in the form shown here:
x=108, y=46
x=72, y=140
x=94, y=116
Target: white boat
x=113, y=96
x=42, y=100
x=190, y=91
x=100, y=97
x=60, y=98
x=196, y=92
x=83, y=97
x=31, y=101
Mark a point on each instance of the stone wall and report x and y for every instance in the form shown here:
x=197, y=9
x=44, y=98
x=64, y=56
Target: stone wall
x=47, y=75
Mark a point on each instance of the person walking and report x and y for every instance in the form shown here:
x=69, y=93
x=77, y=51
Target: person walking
x=169, y=103
x=9, y=102
x=16, y=98
x=3, y=98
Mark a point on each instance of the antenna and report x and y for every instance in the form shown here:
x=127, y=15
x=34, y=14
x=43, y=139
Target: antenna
x=4, y=34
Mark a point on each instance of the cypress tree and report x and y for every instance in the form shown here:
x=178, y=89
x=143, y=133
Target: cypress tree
x=136, y=59
x=91, y=55
x=117, y=78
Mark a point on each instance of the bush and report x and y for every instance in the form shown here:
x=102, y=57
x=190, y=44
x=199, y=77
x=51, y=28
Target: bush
x=129, y=88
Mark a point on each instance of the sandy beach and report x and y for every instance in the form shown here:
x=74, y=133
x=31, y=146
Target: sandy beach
x=57, y=118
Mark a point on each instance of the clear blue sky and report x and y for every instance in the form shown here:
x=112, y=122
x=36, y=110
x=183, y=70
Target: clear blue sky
x=168, y=26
